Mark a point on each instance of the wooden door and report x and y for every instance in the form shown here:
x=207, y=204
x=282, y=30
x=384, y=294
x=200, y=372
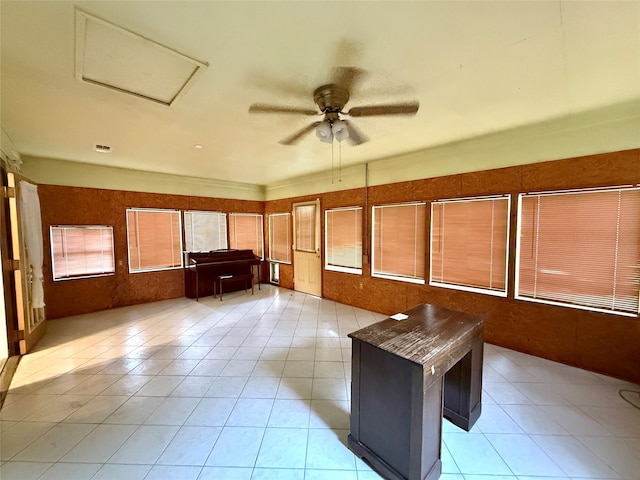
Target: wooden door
x=307, y=263
x=32, y=323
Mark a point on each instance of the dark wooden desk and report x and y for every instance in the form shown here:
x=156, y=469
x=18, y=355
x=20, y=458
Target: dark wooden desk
x=400, y=370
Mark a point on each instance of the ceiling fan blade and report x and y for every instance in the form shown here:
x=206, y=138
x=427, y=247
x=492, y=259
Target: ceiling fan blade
x=347, y=77
x=356, y=137
x=409, y=108
x=291, y=139
x=265, y=108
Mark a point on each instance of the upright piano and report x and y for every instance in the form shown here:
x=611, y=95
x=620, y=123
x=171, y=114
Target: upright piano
x=203, y=269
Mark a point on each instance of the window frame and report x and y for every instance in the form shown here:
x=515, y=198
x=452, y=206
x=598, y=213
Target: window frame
x=341, y=268
x=401, y=278
x=221, y=219
x=155, y=269
x=467, y=288
x=289, y=260
x=64, y=229
x=259, y=235
x=517, y=295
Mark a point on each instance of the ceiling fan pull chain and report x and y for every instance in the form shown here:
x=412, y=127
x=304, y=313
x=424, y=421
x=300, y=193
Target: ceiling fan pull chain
x=331, y=163
x=339, y=161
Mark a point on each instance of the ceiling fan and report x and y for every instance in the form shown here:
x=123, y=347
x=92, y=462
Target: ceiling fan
x=331, y=100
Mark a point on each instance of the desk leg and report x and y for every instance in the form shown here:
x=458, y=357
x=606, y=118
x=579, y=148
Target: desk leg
x=463, y=389
x=197, y=285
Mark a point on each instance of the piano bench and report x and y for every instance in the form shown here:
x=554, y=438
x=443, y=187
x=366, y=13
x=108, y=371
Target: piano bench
x=220, y=279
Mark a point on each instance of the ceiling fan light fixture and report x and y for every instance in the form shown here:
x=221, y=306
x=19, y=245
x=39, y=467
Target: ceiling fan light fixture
x=330, y=100
x=340, y=130
x=324, y=133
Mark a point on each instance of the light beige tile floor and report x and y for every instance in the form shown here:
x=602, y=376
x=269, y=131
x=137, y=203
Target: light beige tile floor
x=257, y=387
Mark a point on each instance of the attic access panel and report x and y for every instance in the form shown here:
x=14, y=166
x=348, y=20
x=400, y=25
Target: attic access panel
x=113, y=57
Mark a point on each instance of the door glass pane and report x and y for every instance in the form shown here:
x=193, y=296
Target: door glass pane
x=305, y=228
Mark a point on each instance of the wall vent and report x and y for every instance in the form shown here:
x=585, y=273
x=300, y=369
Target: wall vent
x=103, y=148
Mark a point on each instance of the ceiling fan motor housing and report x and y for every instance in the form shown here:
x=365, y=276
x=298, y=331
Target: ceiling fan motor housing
x=331, y=98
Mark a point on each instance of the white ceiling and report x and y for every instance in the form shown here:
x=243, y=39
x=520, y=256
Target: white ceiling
x=475, y=67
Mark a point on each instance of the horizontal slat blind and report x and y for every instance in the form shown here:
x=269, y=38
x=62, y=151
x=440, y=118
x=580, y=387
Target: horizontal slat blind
x=343, y=238
x=399, y=237
x=581, y=248
x=80, y=251
x=279, y=243
x=205, y=231
x=245, y=232
x=155, y=239
x=469, y=241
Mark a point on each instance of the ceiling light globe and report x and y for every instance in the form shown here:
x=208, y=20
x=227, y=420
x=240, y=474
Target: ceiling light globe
x=323, y=132
x=340, y=130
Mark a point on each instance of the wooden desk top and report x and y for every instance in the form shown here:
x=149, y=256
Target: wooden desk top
x=430, y=335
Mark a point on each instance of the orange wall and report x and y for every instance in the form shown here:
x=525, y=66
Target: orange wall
x=595, y=341
x=599, y=342
x=90, y=206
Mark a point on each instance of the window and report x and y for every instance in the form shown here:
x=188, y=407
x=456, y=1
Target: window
x=343, y=239
x=580, y=249
x=469, y=239
x=205, y=231
x=274, y=271
x=82, y=251
x=279, y=243
x=245, y=232
x=154, y=238
x=399, y=237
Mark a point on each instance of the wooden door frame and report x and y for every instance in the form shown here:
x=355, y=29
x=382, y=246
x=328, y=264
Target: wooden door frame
x=9, y=265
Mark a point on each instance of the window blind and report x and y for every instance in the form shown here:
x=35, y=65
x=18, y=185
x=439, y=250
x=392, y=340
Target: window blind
x=399, y=238
x=154, y=239
x=81, y=251
x=580, y=248
x=343, y=239
x=245, y=232
x=205, y=231
x=279, y=243
x=469, y=240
